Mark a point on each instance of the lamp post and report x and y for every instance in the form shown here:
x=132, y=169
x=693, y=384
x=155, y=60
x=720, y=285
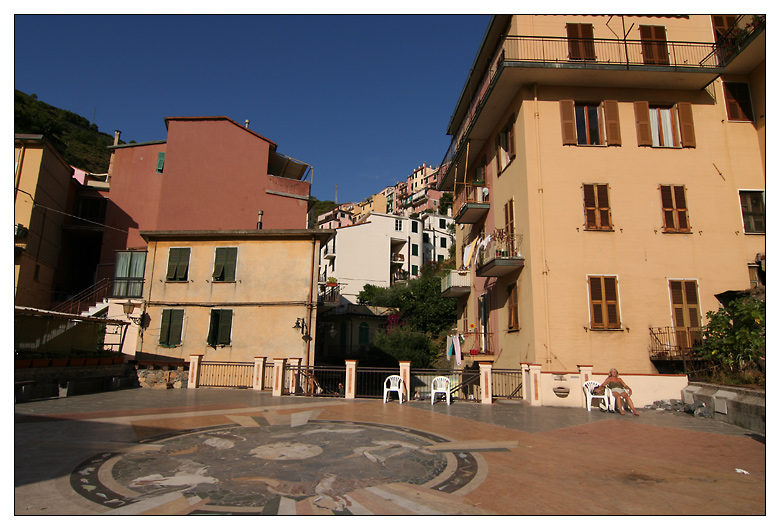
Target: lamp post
x=128, y=308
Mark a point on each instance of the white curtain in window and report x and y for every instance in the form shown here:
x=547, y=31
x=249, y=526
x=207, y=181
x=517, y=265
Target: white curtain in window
x=661, y=126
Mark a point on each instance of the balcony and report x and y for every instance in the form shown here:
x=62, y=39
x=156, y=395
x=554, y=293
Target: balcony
x=330, y=250
x=525, y=60
x=743, y=47
x=397, y=258
x=674, y=344
x=399, y=276
x=455, y=283
x=329, y=296
x=472, y=202
x=478, y=345
x=500, y=256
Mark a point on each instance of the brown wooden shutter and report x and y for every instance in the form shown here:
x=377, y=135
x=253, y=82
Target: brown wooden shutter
x=510, y=138
x=581, y=45
x=512, y=307
x=612, y=122
x=568, y=122
x=611, y=302
x=667, y=207
x=692, y=301
x=654, y=48
x=605, y=217
x=590, y=205
x=596, y=303
x=721, y=24
x=685, y=113
x=738, y=104
x=681, y=208
x=644, y=135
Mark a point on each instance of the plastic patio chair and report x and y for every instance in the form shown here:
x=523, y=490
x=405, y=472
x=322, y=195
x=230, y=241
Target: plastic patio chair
x=440, y=385
x=589, y=387
x=394, y=383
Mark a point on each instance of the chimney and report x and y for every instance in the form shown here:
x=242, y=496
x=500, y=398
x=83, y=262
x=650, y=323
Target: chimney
x=111, y=158
x=259, y=219
x=116, y=137
x=246, y=124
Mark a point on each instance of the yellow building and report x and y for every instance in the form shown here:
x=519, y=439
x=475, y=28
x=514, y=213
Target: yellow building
x=608, y=175
x=41, y=184
x=231, y=295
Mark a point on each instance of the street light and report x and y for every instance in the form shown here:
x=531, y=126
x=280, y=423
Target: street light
x=128, y=308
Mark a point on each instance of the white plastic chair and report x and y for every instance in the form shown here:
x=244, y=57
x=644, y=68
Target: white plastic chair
x=440, y=385
x=589, y=388
x=394, y=383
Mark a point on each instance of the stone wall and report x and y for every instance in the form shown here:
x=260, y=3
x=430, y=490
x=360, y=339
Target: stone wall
x=743, y=407
x=158, y=378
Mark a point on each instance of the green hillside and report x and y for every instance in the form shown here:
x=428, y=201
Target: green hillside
x=79, y=142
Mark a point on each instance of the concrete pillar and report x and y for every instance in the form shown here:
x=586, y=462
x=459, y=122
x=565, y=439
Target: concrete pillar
x=524, y=389
x=349, y=390
x=486, y=383
x=535, y=372
x=294, y=375
x=259, y=377
x=405, y=371
x=194, y=379
x=278, y=388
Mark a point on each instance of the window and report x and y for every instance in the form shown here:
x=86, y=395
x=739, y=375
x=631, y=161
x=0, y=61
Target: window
x=738, y=106
x=414, y=226
x=604, y=311
x=664, y=126
x=509, y=227
x=442, y=223
x=512, y=307
x=675, y=209
x=685, y=312
x=590, y=123
x=399, y=225
x=220, y=327
x=443, y=242
x=597, y=212
x=363, y=333
x=415, y=250
x=426, y=238
x=171, y=327
x=128, y=274
x=721, y=24
x=414, y=270
x=439, y=258
x=581, y=44
x=505, y=145
x=178, y=264
x=225, y=264
x=654, y=50
x=160, y=162
x=756, y=275
x=752, y=211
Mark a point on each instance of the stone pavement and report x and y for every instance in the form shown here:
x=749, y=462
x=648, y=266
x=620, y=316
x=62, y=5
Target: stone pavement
x=220, y=451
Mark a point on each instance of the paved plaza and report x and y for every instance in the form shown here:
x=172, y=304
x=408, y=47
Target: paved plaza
x=225, y=451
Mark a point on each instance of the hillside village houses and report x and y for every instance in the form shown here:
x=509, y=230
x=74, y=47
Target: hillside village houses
x=608, y=176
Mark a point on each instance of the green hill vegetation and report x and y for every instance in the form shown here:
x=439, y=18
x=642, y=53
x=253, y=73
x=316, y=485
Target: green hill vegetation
x=77, y=140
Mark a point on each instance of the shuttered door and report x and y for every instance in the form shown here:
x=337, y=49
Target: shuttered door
x=612, y=122
x=681, y=208
x=738, y=106
x=654, y=48
x=589, y=193
x=675, y=209
x=604, y=302
x=644, y=134
x=581, y=45
x=685, y=114
x=721, y=24
x=568, y=122
x=685, y=311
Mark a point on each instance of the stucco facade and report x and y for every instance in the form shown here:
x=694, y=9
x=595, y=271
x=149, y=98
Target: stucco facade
x=588, y=202
x=42, y=183
x=273, y=285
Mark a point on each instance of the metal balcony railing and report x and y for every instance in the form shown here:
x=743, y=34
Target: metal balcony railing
x=623, y=53
x=501, y=245
x=669, y=343
x=86, y=298
x=454, y=278
x=330, y=295
x=468, y=192
x=737, y=36
x=477, y=343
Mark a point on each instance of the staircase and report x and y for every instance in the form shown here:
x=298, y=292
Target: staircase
x=89, y=302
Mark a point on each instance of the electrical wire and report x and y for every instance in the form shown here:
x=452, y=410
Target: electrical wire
x=71, y=215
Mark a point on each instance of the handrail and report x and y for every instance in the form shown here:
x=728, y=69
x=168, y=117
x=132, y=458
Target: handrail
x=90, y=295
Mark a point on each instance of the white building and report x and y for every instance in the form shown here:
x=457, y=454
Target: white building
x=383, y=249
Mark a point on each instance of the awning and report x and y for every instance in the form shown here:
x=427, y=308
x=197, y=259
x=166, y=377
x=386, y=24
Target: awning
x=283, y=166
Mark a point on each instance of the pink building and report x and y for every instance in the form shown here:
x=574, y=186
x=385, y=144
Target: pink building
x=209, y=174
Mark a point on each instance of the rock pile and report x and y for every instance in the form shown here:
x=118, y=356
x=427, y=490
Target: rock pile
x=697, y=408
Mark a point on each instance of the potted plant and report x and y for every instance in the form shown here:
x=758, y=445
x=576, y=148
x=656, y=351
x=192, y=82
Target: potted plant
x=331, y=282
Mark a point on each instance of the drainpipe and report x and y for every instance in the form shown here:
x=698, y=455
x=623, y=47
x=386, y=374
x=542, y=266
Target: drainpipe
x=545, y=270
x=312, y=332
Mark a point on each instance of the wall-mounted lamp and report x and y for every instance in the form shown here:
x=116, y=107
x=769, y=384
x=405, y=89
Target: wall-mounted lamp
x=128, y=308
x=300, y=324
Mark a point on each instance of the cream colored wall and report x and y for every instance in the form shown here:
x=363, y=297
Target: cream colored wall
x=727, y=158
x=272, y=289
x=645, y=389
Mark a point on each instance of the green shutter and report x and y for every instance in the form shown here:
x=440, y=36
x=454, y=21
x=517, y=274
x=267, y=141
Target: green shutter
x=219, y=264
x=225, y=324
x=160, y=162
x=173, y=261
x=165, y=327
x=414, y=270
x=414, y=249
x=231, y=255
x=184, y=264
x=176, y=324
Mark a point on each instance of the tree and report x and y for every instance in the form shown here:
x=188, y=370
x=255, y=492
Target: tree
x=445, y=202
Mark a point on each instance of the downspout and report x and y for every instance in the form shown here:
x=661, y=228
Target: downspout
x=148, y=301
x=545, y=269
x=312, y=333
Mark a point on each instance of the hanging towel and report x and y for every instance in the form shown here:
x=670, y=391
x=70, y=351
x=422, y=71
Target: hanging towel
x=457, y=349
x=450, y=347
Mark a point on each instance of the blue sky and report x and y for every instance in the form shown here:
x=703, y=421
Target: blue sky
x=363, y=99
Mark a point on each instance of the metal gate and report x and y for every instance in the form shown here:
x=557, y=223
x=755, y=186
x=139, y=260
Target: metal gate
x=225, y=374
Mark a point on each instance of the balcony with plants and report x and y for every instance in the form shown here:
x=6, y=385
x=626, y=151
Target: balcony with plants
x=471, y=202
x=500, y=255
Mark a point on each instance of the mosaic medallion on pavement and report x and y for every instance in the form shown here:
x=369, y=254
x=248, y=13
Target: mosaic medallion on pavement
x=256, y=467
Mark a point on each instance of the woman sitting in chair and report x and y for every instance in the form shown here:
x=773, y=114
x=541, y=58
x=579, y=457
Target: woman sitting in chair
x=620, y=391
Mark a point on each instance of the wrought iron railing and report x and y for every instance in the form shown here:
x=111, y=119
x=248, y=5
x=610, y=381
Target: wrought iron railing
x=86, y=298
x=507, y=384
x=669, y=343
x=737, y=36
x=477, y=343
x=331, y=295
x=501, y=245
x=469, y=193
x=316, y=381
x=370, y=381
